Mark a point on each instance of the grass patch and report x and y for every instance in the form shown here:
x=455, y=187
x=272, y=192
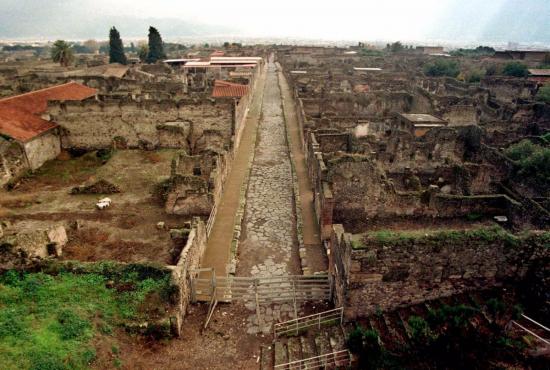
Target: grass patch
x=484, y=234
x=48, y=322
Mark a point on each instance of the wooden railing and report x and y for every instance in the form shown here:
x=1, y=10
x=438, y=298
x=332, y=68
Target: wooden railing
x=300, y=324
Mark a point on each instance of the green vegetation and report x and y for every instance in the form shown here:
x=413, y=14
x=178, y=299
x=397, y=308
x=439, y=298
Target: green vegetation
x=156, y=47
x=515, y=69
x=395, y=47
x=488, y=234
x=532, y=162
x=480, y=51
x=420, y=330
x=49, y=322
x=367, y=345
x=116, y=48
x=366, y=52
x=543, y=94
x=62, y=53
x=474, y=76
x=442, y=67
x=143, y=51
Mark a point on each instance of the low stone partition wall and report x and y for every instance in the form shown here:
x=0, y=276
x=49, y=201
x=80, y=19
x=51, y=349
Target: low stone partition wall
x=387, y=270
x=189, y=259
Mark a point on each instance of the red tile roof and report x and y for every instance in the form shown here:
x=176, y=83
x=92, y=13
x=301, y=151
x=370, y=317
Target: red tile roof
x=224, y=89
x=20, y=114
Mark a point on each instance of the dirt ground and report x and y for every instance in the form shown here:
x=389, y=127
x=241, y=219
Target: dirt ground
x=126, y=231
x=223, y=345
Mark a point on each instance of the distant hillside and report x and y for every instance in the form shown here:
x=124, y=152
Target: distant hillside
x=495, y=21
x=78, y=27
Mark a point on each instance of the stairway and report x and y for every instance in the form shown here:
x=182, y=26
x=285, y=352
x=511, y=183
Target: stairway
x=325, y=341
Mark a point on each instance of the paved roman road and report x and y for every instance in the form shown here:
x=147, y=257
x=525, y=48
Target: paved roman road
x=269, y=244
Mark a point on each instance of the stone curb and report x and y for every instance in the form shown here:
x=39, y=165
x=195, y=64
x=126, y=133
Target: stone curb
x=237, y=225
x=296, y=190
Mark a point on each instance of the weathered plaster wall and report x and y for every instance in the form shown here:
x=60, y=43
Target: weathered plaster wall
x=42, y=148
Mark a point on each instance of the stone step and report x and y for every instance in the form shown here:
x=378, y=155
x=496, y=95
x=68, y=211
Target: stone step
x=281, y=354
x=266, y=360
x=337, y=342
x=336, y=338
x=294, y=349
x=308, y=346
x=404, y=316
x=393, y=328
x=322, y=342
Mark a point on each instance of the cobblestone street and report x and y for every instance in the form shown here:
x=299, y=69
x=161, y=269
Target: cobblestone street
x=268, y=244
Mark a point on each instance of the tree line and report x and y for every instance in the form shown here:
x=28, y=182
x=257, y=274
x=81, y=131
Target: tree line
x=62, y=52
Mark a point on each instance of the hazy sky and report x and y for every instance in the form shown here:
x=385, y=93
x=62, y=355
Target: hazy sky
x=307, y=18
x=469, y=20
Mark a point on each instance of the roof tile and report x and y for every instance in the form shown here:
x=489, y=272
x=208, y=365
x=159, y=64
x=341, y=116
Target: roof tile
x=20, y=114
x=225, y=89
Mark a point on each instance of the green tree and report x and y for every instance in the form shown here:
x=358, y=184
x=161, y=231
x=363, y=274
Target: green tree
x=515, y=69
x=543, y=94
x=441, y=68
x=62, y=53
x=396, y=47
x=143, y=51
x=156, y=47
x=116, y=49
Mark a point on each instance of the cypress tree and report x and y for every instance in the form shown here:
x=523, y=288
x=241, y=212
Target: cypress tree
x=116, y=49
x=156, y=47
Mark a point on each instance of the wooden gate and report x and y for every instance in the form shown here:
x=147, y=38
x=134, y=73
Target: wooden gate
x=206, y=287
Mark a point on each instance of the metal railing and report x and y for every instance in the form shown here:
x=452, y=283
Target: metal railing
x=531, y=332
x=296, y=326
x=340, y=359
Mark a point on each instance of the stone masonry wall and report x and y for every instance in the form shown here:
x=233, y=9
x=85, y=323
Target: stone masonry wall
x=190, y=259
x=93, y=125
x=409, y=271
x=42, y=148
x=12, y=161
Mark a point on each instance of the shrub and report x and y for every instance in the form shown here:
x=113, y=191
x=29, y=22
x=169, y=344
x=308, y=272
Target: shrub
x=532, y=162
x=515, y=69
x=355, y=340
x=441, y=67
x=72, y=326
x=491, y=70
x=495, y=306
x=47, y=361
x=543, y=94
x=420, y=330
x=474, y=76
x=10, y=325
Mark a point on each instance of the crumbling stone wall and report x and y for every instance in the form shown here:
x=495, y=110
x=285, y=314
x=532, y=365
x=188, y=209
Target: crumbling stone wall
x=190, y=259
x=42, y=148
x=509, y=89
x=93, y=125
x=12, y=161
x=406, y=271
x=20, y=249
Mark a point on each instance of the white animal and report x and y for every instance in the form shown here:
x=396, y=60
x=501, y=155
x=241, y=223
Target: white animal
x=103, y=203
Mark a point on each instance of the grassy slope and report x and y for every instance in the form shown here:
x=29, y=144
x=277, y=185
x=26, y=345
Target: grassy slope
x=49, y=322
